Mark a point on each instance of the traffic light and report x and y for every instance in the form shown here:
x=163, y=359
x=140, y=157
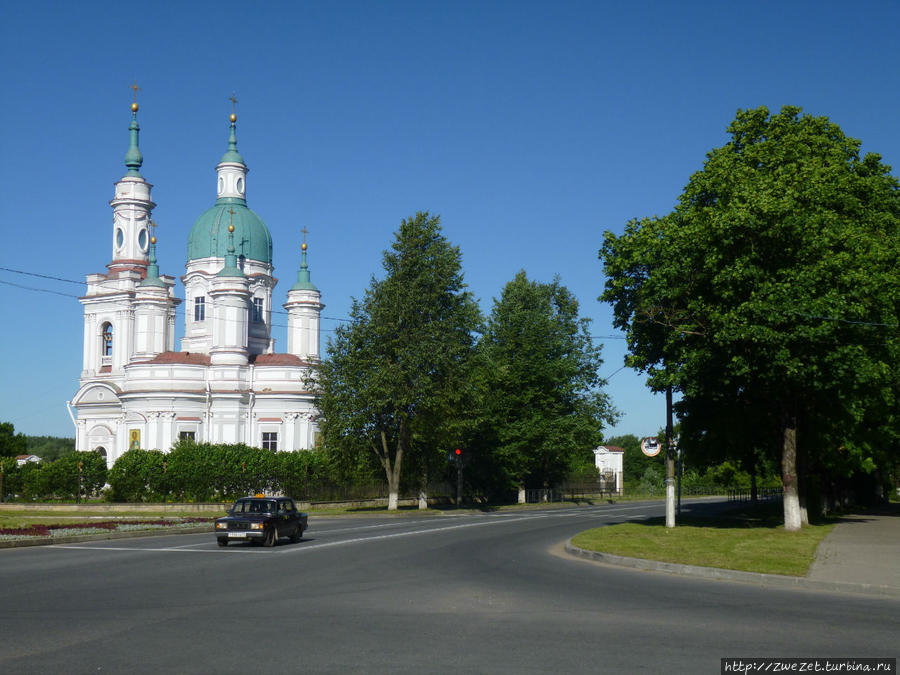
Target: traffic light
x=458, y=452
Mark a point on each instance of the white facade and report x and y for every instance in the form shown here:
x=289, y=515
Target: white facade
x=609, y=459
x=226, y=385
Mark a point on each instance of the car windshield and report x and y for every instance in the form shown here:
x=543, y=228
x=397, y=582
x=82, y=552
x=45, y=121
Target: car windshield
x=253, y=506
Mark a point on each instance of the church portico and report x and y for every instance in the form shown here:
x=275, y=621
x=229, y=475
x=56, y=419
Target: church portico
x=226, y=385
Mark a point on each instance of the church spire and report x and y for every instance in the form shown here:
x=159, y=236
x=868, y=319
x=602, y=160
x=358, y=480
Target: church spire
x=304, y=305
x=153, y=268
x=303, y=281
x=131, y=208
x=133, y=158
x=231, y=269
x=232, y=171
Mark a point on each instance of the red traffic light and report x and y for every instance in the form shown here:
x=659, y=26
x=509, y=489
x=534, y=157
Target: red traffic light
x=458, y=452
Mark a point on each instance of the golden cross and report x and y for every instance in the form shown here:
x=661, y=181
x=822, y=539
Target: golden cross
x=153, y=227
x=135, y=89
x=304, y=231
x=233, y=99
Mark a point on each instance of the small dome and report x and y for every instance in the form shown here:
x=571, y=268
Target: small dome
x=209, y=236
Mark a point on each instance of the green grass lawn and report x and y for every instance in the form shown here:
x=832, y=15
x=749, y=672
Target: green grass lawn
x=750, y=541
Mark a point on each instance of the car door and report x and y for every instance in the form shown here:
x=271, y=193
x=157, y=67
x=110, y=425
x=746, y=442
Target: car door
x=292, y=522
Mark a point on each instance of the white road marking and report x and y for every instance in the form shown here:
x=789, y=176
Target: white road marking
x=490, y=519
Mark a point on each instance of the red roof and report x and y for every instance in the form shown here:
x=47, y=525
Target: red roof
x=613, y=448
x=276, y=360
x=189, y=358
x=197, y=359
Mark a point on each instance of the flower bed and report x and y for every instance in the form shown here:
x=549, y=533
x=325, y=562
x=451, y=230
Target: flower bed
x=77, y=529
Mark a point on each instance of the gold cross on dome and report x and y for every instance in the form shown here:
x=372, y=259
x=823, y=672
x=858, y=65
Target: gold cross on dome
x=305, y=232
x=233, y=99
x=134, y=88
x=153, y=227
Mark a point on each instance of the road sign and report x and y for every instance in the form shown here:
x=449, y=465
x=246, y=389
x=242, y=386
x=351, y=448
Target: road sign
x=650, y=446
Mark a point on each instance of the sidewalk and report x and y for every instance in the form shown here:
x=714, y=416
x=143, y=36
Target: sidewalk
x=862, y=549
x=860, y=555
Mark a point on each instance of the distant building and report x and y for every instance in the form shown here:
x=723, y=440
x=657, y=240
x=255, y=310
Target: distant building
x=27, y=459
x=609, y=459
x=227, y=384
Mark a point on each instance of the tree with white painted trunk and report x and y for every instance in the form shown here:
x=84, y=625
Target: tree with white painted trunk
x=774, y=281
x=394, y=374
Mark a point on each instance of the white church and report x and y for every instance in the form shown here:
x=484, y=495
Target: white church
x=227, y=384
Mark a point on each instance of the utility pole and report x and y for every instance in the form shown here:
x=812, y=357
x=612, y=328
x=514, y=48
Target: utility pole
x=670, y=462
x=680, y=472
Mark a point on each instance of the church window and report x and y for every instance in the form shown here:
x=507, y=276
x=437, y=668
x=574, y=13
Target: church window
x=142, y=240
x=107, y=340
x=258, y=310
x=221, y=185
x=240, y=186
x=187, y=436
x=200, y=308
x=120, y=237
x=270, y=440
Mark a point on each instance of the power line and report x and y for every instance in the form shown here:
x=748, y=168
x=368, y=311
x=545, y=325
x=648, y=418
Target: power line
x=40, y=290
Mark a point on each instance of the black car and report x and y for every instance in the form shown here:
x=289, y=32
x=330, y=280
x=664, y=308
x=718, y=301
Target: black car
x=261, y=520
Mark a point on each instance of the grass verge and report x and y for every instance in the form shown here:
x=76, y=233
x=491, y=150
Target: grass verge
x=749, y=541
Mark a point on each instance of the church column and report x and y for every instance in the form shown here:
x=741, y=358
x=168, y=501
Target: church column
x=304, y=307
x=154, y=311
x=230, y=295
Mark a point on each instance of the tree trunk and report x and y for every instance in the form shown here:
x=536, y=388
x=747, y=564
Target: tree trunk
x=789, y=474
x=392, y=469
x=802, y=485
x=423, y=490
x=521, y=494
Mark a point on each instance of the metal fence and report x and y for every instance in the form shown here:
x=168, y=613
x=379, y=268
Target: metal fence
x=574, y=491
x=762, y=494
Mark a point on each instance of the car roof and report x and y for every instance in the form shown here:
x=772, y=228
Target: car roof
x=263, y=499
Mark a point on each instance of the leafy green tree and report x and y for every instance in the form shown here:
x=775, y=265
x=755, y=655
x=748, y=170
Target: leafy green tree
x=397, y=371
x=11, y=443
x=543, y=406
x=49, y=448
x=774, y=279
x=9, y=477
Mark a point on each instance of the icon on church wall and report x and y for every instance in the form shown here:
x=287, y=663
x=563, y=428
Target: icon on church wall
x=134, y=442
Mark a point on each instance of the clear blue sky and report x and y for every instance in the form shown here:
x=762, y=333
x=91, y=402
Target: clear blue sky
x=530, y=127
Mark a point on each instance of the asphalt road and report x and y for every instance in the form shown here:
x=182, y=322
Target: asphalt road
x=491, y=593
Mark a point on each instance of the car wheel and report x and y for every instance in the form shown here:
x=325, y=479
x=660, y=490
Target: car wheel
x=271, y=536
x=222, y=542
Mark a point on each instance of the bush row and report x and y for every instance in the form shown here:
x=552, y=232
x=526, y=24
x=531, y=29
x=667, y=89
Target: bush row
x=200, y=472
x=72, y=476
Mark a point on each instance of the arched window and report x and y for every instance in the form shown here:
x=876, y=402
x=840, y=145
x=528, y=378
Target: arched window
x=106, y=343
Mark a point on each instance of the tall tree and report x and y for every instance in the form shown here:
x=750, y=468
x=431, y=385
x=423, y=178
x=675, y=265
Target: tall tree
x=542, y=399
x=394, y=379
x=774, y=279
x=11, y=443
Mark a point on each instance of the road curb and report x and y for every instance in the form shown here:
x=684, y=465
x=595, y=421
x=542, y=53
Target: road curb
x=74, y=539
x=718, y=574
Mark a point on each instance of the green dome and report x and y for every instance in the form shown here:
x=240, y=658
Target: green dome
x=209, y=236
